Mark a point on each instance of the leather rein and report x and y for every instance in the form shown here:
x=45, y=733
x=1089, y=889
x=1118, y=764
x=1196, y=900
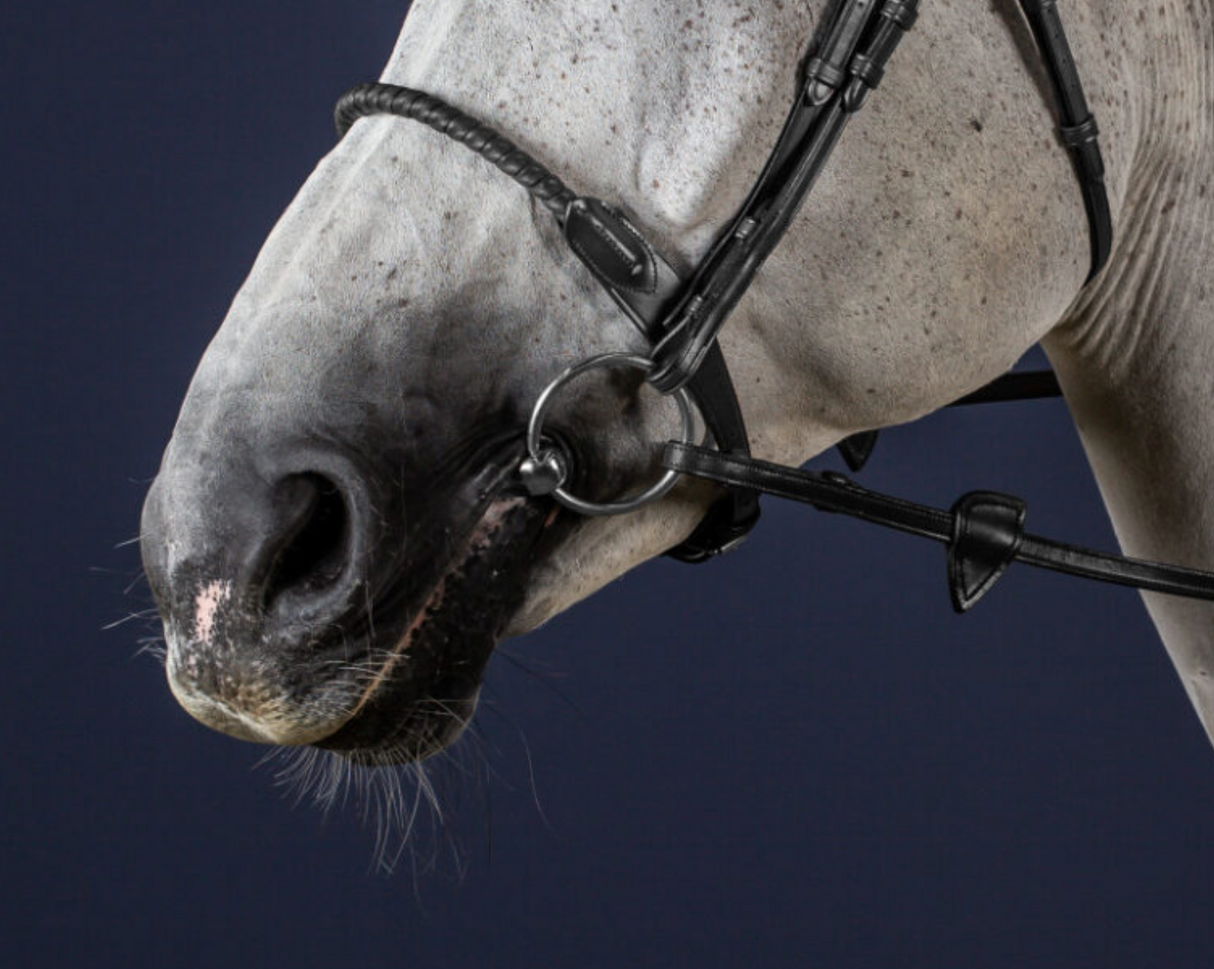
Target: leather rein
x=983, y=531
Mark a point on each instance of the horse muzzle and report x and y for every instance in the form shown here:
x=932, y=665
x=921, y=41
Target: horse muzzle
x=300, y=606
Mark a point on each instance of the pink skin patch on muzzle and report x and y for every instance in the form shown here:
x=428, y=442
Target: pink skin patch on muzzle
x=206, y=606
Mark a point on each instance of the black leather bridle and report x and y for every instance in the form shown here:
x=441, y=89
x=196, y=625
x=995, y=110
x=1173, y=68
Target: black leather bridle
x=983, y=531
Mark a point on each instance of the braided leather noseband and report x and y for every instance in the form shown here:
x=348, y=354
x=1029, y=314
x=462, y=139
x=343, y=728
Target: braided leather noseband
x=983, y=531
x=366, y=100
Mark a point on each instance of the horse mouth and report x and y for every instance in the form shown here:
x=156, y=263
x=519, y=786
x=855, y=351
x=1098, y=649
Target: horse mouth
x=417, y=697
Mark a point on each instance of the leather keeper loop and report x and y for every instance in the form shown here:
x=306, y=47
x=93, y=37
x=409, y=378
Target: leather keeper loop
x=1090, y=161
x=867, y=70
x=900, y=12
x=824, y=73
x=1075, y=136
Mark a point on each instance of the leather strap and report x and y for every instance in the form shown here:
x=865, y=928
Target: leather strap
x=1076, y=123
x=847, y=67
x=984, y=531
x=644, y=285
x=735, y=514
x=371, y=98
x=1020, y=385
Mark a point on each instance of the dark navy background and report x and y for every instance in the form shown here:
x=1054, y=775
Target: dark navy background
x=796, y=756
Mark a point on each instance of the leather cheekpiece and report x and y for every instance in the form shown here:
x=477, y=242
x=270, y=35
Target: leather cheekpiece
x=988, y=528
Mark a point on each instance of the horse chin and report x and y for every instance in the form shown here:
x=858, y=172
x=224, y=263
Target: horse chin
x=420, y=692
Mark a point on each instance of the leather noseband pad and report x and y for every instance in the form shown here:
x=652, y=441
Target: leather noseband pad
x=988, y=528
x=611, y=247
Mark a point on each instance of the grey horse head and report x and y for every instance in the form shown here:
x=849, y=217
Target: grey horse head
x=337, y=537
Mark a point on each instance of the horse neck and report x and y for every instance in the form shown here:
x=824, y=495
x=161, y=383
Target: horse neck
x=1136, y=357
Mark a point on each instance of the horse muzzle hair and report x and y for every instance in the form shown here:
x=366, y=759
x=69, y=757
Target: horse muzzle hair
x=302, y=606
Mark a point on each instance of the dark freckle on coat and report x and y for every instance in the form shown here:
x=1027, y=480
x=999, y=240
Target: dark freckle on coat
x=975, y=124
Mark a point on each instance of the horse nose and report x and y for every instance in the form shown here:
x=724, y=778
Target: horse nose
x=283, y=546
x=296, y=567
x=256, y=576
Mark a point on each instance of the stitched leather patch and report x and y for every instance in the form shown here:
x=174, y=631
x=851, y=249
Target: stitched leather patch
x=610, y=246
x=987, y=530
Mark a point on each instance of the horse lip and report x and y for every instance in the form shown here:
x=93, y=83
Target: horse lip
x=218, y=714
x=413, y=690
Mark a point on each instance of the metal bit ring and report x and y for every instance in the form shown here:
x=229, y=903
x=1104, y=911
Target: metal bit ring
x=545, y=464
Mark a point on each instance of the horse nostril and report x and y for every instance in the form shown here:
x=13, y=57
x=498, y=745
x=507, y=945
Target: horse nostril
x=314, y=548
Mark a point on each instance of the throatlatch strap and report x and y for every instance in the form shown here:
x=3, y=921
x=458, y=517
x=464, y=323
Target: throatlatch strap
x=1019, y=385
x=1077, y=125
x=984, y=530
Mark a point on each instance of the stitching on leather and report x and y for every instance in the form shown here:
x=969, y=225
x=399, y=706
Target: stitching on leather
x=600, y=233
x=959, y=579
x=650, y=256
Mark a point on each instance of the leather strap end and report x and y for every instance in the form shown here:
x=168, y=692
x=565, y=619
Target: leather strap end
x=728, y=522
x=988, y=528
x=611, y=247
x=676, y=369
x=858, y=448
